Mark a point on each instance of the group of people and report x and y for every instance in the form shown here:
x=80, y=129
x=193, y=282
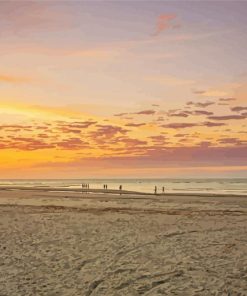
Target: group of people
x=84, y=186
x=155, y=189
x=105, y=186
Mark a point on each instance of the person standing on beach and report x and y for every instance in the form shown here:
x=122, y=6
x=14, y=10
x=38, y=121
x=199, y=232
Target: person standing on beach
x=163, y=189
x=155, y=190
x=120, y=188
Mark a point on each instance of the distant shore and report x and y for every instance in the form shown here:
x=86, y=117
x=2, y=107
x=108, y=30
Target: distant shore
x=114, y=191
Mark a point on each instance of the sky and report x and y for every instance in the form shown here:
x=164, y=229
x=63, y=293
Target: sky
x=108, y=89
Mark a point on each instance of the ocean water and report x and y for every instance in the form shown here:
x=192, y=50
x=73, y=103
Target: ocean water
x=220, y=186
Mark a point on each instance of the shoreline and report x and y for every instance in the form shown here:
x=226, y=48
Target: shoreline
x=115, y=191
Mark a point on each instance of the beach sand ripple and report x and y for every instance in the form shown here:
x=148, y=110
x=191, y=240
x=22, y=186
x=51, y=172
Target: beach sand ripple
x=111, y=245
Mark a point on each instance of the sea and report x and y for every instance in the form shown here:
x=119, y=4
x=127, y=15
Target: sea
x=213, y=186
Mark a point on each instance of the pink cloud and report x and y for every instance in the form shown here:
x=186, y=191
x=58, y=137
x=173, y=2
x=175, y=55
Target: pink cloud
x=179, y=125
x=202, y=112
x=107, y=132
x=135, y=124
x=26, y=144
x=200, y=104
x=232, y=141
x=212, y=124
x=239, y=108
x=164, y=21
x=78, y=124
x=146, y=112
x=120, y=114
x=72, y=144
x=132, y=142
x=179, y=114
x=227, y=117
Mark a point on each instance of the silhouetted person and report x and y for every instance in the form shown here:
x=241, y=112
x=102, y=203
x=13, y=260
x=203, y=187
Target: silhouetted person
x=163, y=189
x=120, y=188
x=155, y=190
x=105, y=186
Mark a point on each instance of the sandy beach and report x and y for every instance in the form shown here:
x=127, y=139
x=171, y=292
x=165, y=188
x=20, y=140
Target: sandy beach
x=78, y=243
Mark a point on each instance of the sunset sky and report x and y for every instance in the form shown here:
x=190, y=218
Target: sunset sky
x=123, y=89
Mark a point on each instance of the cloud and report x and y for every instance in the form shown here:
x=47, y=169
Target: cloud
x=179, y=125
x=179, y=114
x=145, y=112
x=175, y=113
x=180, y=135
x=160, y=118
x=188, y=124
x=227, y=117
x=106, y=132
x=132, y=142
x=164, y=21
x=70, y=130
x=227, y=99
x=239, y=108
x=159, y=140
x=231, y=141
x=205, y=144
x=202, y=112
x=212, y=124
x=72, y=144
x=16, y=127
x=135, y=124
x=200, y=104
x=199, y=92
x=26, y=144
x=120, y=114
x=78, y=124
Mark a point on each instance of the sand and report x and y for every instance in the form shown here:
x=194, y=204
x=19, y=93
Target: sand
x=72, y=243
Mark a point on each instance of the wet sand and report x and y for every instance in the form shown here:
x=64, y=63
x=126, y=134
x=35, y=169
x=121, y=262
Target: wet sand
x=78, y=243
